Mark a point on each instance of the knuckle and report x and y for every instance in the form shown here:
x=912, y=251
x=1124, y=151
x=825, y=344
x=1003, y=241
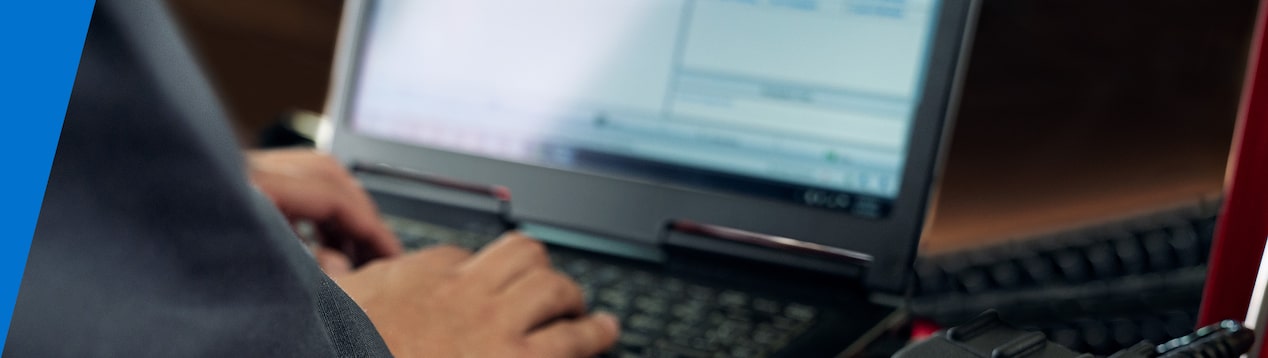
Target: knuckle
x=565, y=291
x=535, y=248
x=564, y=282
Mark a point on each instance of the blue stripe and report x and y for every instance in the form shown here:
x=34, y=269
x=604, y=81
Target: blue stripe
x=40, y=44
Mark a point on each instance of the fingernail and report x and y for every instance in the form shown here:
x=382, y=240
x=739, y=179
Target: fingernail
x=608, y=321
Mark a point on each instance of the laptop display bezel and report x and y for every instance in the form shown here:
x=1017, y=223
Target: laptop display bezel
x=635, y=210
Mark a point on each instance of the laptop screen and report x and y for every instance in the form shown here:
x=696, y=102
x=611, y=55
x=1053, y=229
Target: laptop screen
x=801, y=101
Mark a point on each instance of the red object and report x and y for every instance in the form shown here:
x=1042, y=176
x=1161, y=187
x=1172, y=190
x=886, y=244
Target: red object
x=1242, y=230
x=923, y=329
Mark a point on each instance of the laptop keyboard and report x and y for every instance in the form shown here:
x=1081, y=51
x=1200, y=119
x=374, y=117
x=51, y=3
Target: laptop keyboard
x=661, y=316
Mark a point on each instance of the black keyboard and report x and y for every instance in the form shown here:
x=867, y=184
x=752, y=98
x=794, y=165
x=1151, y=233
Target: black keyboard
x=1097, y=289
x=661, y=316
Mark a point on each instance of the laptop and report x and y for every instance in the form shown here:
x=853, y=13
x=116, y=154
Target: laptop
x=730, y=177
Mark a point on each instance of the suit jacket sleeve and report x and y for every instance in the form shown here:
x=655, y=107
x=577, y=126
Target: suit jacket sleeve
x=150, y=242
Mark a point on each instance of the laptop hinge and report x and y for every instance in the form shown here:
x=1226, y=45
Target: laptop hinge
x=480, y=197
x=764, y=247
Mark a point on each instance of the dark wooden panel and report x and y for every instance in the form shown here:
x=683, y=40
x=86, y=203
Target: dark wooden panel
x=264, y=56
x=1083, y=110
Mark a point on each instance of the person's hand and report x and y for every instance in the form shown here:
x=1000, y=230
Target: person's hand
x=506, y=301
x=313, y=187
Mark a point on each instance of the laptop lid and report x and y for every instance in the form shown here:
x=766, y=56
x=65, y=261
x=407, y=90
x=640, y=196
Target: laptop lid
x=808, y=124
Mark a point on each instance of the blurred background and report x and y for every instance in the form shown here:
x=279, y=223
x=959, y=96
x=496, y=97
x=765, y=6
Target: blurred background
x=1086, y=162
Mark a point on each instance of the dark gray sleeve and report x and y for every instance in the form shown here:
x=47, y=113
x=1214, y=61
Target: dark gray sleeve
x=150, y=242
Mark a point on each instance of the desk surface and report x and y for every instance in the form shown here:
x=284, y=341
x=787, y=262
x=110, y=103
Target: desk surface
x=963, y=220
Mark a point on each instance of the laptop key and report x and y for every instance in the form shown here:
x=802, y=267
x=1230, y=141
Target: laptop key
x=745, y=351
x=1103, y=260
x=1132, y=256
x=616, y=300
x=690, y=313
x=784, y=323
x=678, y=328
x=1007, y=274
x=673, y=286
x=767, y=335
x=643, y=280
x=1040, y=268
x=731, y=330
x=637, y=340
x=651, y=305
x=577, y=267
x=800, y=312
x=1188, y=248
x=690, y=347
x=645, y=323
x=702, y=293
x=733, y=299
x=1074, y=265
x=766, y=307
x=607, y=274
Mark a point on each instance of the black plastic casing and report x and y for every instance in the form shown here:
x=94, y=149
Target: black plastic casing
x=987, y=336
